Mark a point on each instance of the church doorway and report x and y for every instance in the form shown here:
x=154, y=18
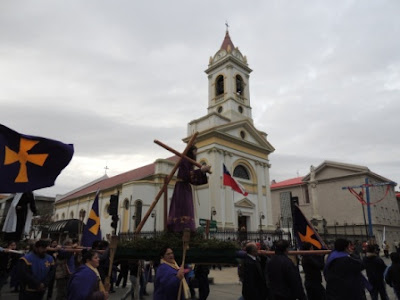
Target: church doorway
x=242, y=226
x=242, y=223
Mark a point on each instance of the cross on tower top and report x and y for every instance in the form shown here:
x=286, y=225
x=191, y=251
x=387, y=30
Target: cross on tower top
x=227, y=26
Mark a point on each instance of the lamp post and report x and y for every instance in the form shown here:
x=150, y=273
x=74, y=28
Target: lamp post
x=289, y=221
x=335, y=224
x=213, y=212
x=82, y=215
x=154, y=215
x=134, y=222
x=262, y=217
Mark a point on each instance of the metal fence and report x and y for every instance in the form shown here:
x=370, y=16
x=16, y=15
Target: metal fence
x=222, y=235
x=244, y=236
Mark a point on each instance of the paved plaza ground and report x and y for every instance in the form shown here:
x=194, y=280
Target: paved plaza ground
x=226, y=287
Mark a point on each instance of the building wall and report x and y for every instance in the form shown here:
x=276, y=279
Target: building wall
x=341, y=210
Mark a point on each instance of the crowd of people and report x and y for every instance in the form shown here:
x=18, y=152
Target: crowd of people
x=76, y=273
x=277, y=277
x=79, y=274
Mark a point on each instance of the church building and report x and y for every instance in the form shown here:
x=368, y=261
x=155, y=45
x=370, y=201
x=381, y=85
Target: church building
x=226, y=136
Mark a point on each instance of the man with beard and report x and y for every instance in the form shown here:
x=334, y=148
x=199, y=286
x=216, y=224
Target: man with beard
x=35, y=269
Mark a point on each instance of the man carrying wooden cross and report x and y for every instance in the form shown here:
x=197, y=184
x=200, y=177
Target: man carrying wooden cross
x=181, y=211
x=181, y=214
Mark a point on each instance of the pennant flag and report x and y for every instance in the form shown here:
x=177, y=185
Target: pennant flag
x=230, y=181
x=92, y=231
x=28, y=163
x=304, y=231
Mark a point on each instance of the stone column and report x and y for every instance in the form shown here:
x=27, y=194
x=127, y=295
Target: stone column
x=268, y=214
x=313, y=193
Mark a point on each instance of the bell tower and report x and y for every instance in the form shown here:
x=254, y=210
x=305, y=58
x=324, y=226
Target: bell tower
x=227, y=137
x=228, y=82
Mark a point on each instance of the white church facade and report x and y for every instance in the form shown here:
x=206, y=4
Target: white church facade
x=226, y=135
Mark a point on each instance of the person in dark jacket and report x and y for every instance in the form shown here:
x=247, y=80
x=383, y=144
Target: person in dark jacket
x=312, y=266
x=201, y=274
x=254, y=285
x=375, y=267
x=123, y=274
x=344, y=280
x=7, y=262
x=284, y=276
x=393, y=273
x=133, y=267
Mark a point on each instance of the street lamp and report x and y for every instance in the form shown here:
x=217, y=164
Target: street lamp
x=213, y=212
x=262, y=217
x=335, y=224
x=154, y=215
x=134, y=222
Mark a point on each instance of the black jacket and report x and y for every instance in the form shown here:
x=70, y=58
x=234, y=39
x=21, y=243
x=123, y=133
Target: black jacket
x=375, y=268
x=344, y=279
x=312, y=266
x=254, y=284
x=284, y=278
x=393, y=276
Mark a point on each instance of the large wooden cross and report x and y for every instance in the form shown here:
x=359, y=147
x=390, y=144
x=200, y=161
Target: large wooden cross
x=169, y=177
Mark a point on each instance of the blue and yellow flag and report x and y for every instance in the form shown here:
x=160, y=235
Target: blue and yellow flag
x=304, y=231
x=28, y=163
x=92, y=231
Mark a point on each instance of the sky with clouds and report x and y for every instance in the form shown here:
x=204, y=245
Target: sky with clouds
x=112, y=76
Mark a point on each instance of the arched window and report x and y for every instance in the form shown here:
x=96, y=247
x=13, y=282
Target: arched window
x=239, y=85
x=126, y=204
x=138, y=213
x=241, y=172
x=106, y=207
x=219, y=85
x=57, y=217
x=82, y=214
x=71, y=215
x=63, y=216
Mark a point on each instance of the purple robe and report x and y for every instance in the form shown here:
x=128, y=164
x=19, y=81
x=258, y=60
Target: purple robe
x=82, y=283
x=166, y=285
x=181, y=211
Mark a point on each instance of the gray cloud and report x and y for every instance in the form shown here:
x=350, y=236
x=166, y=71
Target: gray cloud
x=111, y=77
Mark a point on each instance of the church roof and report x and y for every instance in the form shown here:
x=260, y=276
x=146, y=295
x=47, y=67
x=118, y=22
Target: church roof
x=227, y=42
x=106, y=183
x=287, y=182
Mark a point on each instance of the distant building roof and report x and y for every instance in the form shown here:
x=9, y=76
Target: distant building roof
x=288, y=182
x=106, y=183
